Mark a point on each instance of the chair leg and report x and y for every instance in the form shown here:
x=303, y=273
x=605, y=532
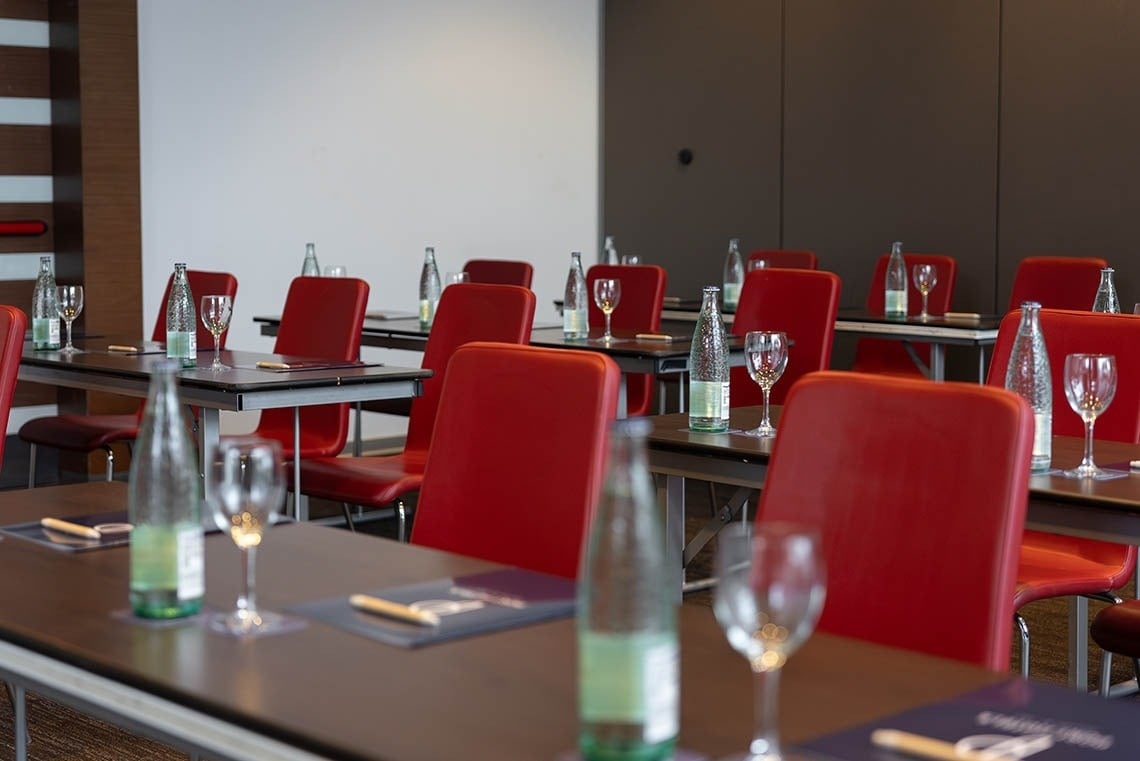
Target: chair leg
x=401, y=520
x=110, y=463
x=713, y=504
x=348, y=516
x=31, y=466
x=1023, y=649
x=1105, y=673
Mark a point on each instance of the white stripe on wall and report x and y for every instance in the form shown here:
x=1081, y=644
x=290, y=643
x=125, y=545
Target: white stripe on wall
x=21, y=266
x=32, y=189
x=35, y=111
x=25, y=34
x=20, y=415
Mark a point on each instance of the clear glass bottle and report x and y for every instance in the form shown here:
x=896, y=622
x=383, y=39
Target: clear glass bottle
x=164, y=505
x=733, y=275
x=181, y=320
x=45, y=311
x=609, y=251
x=1106, y=300
x=628, y=675
x=429, y=289
x=575, y=322
x=1027, y=375
x=896, y=284
x=310, y=266
x=708, y=369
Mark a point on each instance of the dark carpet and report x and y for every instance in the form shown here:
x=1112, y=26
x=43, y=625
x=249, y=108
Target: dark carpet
x=59, y=733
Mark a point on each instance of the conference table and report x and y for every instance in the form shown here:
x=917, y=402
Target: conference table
x=319, y=691
x=939, y=331
x=1105, y=510
x=244, y=386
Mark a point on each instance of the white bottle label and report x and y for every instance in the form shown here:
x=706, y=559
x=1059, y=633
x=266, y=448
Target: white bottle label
x=191, y=563
x=574, y=323
x=896, y=303
x=181, y=345
x=633, y=679
x=731, y=294
x=1042, y=440
x=709, y=399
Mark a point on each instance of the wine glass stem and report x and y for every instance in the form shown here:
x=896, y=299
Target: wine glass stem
x=924, y=297
x=765, y=738
x=608, y=335
x=69, y=346
x=766, y=423
x=1087, y=462
x=217, y=355
x=248, y=600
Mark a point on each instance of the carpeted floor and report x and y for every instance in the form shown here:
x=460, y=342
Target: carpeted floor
x=59, y=733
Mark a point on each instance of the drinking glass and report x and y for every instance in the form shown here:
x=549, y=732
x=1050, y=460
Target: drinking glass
x=630, y=259
x=925, y=278
x=757, y=264
x=453, y=278
x=216, y=310
x=769, y=595
x=607, y=294
x=336, y=270
x=1136, y=308
x=246, y=488
x=766, y=353
x=69, y=303
x=1090, y=384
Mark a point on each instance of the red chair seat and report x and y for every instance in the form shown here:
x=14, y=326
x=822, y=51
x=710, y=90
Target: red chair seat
x=80, y=433
x=1117, y=629
x=1051, y=565
x=364, y=480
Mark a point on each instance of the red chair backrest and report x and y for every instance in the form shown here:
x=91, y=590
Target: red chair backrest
x=1076, y=332
x=499, y=272
x=467, y=312
x=202, y=283
x=784, y=258
x=1057, y=282
x=322, y=318
x=803, y=304
x=13, y=323
x=877, y=355
x=494, y=491
x=918, y=491
x=642, y=296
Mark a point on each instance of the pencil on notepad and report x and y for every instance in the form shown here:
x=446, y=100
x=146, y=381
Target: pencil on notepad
x=962, y=316
x=67, y=527
x=928, y=747
x=273, y=365
x=121, y=347
x=654, y=337
x=396, y=610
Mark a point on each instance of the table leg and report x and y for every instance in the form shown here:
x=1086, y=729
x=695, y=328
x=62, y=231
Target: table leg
x=209, y=433
x=300, y=501
x=622, y=400
x=937, y=362
x=1079, y=643
x=981, y=364
x=675, y=529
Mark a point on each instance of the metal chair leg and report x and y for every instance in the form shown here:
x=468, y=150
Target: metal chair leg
x=110, y=463
x=31, y=469
x=1023, y=650
x=348, y=516
x=401, y=520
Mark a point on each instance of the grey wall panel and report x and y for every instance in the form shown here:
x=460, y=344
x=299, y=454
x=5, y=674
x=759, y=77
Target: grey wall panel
x=891, y=134
x=703, y=76
x=1070, y=123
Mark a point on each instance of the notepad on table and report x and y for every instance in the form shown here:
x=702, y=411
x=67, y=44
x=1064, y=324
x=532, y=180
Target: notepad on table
x=311, y=364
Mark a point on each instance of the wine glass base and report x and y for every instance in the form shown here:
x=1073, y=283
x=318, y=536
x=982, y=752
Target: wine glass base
x=1092, y=473
x=761, y=432
x=778, y=755
x=240, y=623
x=220, y=367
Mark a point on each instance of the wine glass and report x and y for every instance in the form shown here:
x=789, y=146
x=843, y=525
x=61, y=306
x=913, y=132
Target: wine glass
x=1090, y=384
x=216, y=310
x=69, y=302
x=246, y=488
x=769, y=595
x=925, y=278
x=607, y=294
x=766, y=353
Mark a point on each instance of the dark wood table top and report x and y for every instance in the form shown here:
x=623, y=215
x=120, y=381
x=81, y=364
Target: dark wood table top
x=509, y=695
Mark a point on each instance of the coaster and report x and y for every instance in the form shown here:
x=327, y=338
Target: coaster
x=128, y=615
x=679, y=754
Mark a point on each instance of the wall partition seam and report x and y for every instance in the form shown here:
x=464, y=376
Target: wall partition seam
x=780, y=160
x=996, y=304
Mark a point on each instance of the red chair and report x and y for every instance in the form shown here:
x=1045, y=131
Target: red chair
x=877, y=355
x=86, y=433
x=467, y=312
x=1053, y=565
x=801, y=303
x=784, y=258
x=919, y=555
x=1116, y=629
x=13, y=323
x=1057, y=282
x=322, y=317
x=499, y=272
x=639, y=311
x=518, y=498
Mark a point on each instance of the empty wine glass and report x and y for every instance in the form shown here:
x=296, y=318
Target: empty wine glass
x=925, y=278
x=246, y=488
x=1090, y=384
x=69, y=303
x=216, y=310
x=769, y=595
x=455, y=278
x=607, y=294
x=766, y=353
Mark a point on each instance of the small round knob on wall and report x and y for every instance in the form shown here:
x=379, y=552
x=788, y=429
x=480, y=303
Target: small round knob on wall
x=685, y=156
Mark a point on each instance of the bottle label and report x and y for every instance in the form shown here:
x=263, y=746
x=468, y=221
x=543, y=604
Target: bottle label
x=896, y=303
x=575, y=323
x=426, y=312
x=191, y=563
x=45, y=333
x=731, y=294
x=709, y=400
x=181, y=345
x=1042, y=439
x=631, y=679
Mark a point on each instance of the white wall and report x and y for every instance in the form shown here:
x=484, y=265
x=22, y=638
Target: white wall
x=373, y=128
